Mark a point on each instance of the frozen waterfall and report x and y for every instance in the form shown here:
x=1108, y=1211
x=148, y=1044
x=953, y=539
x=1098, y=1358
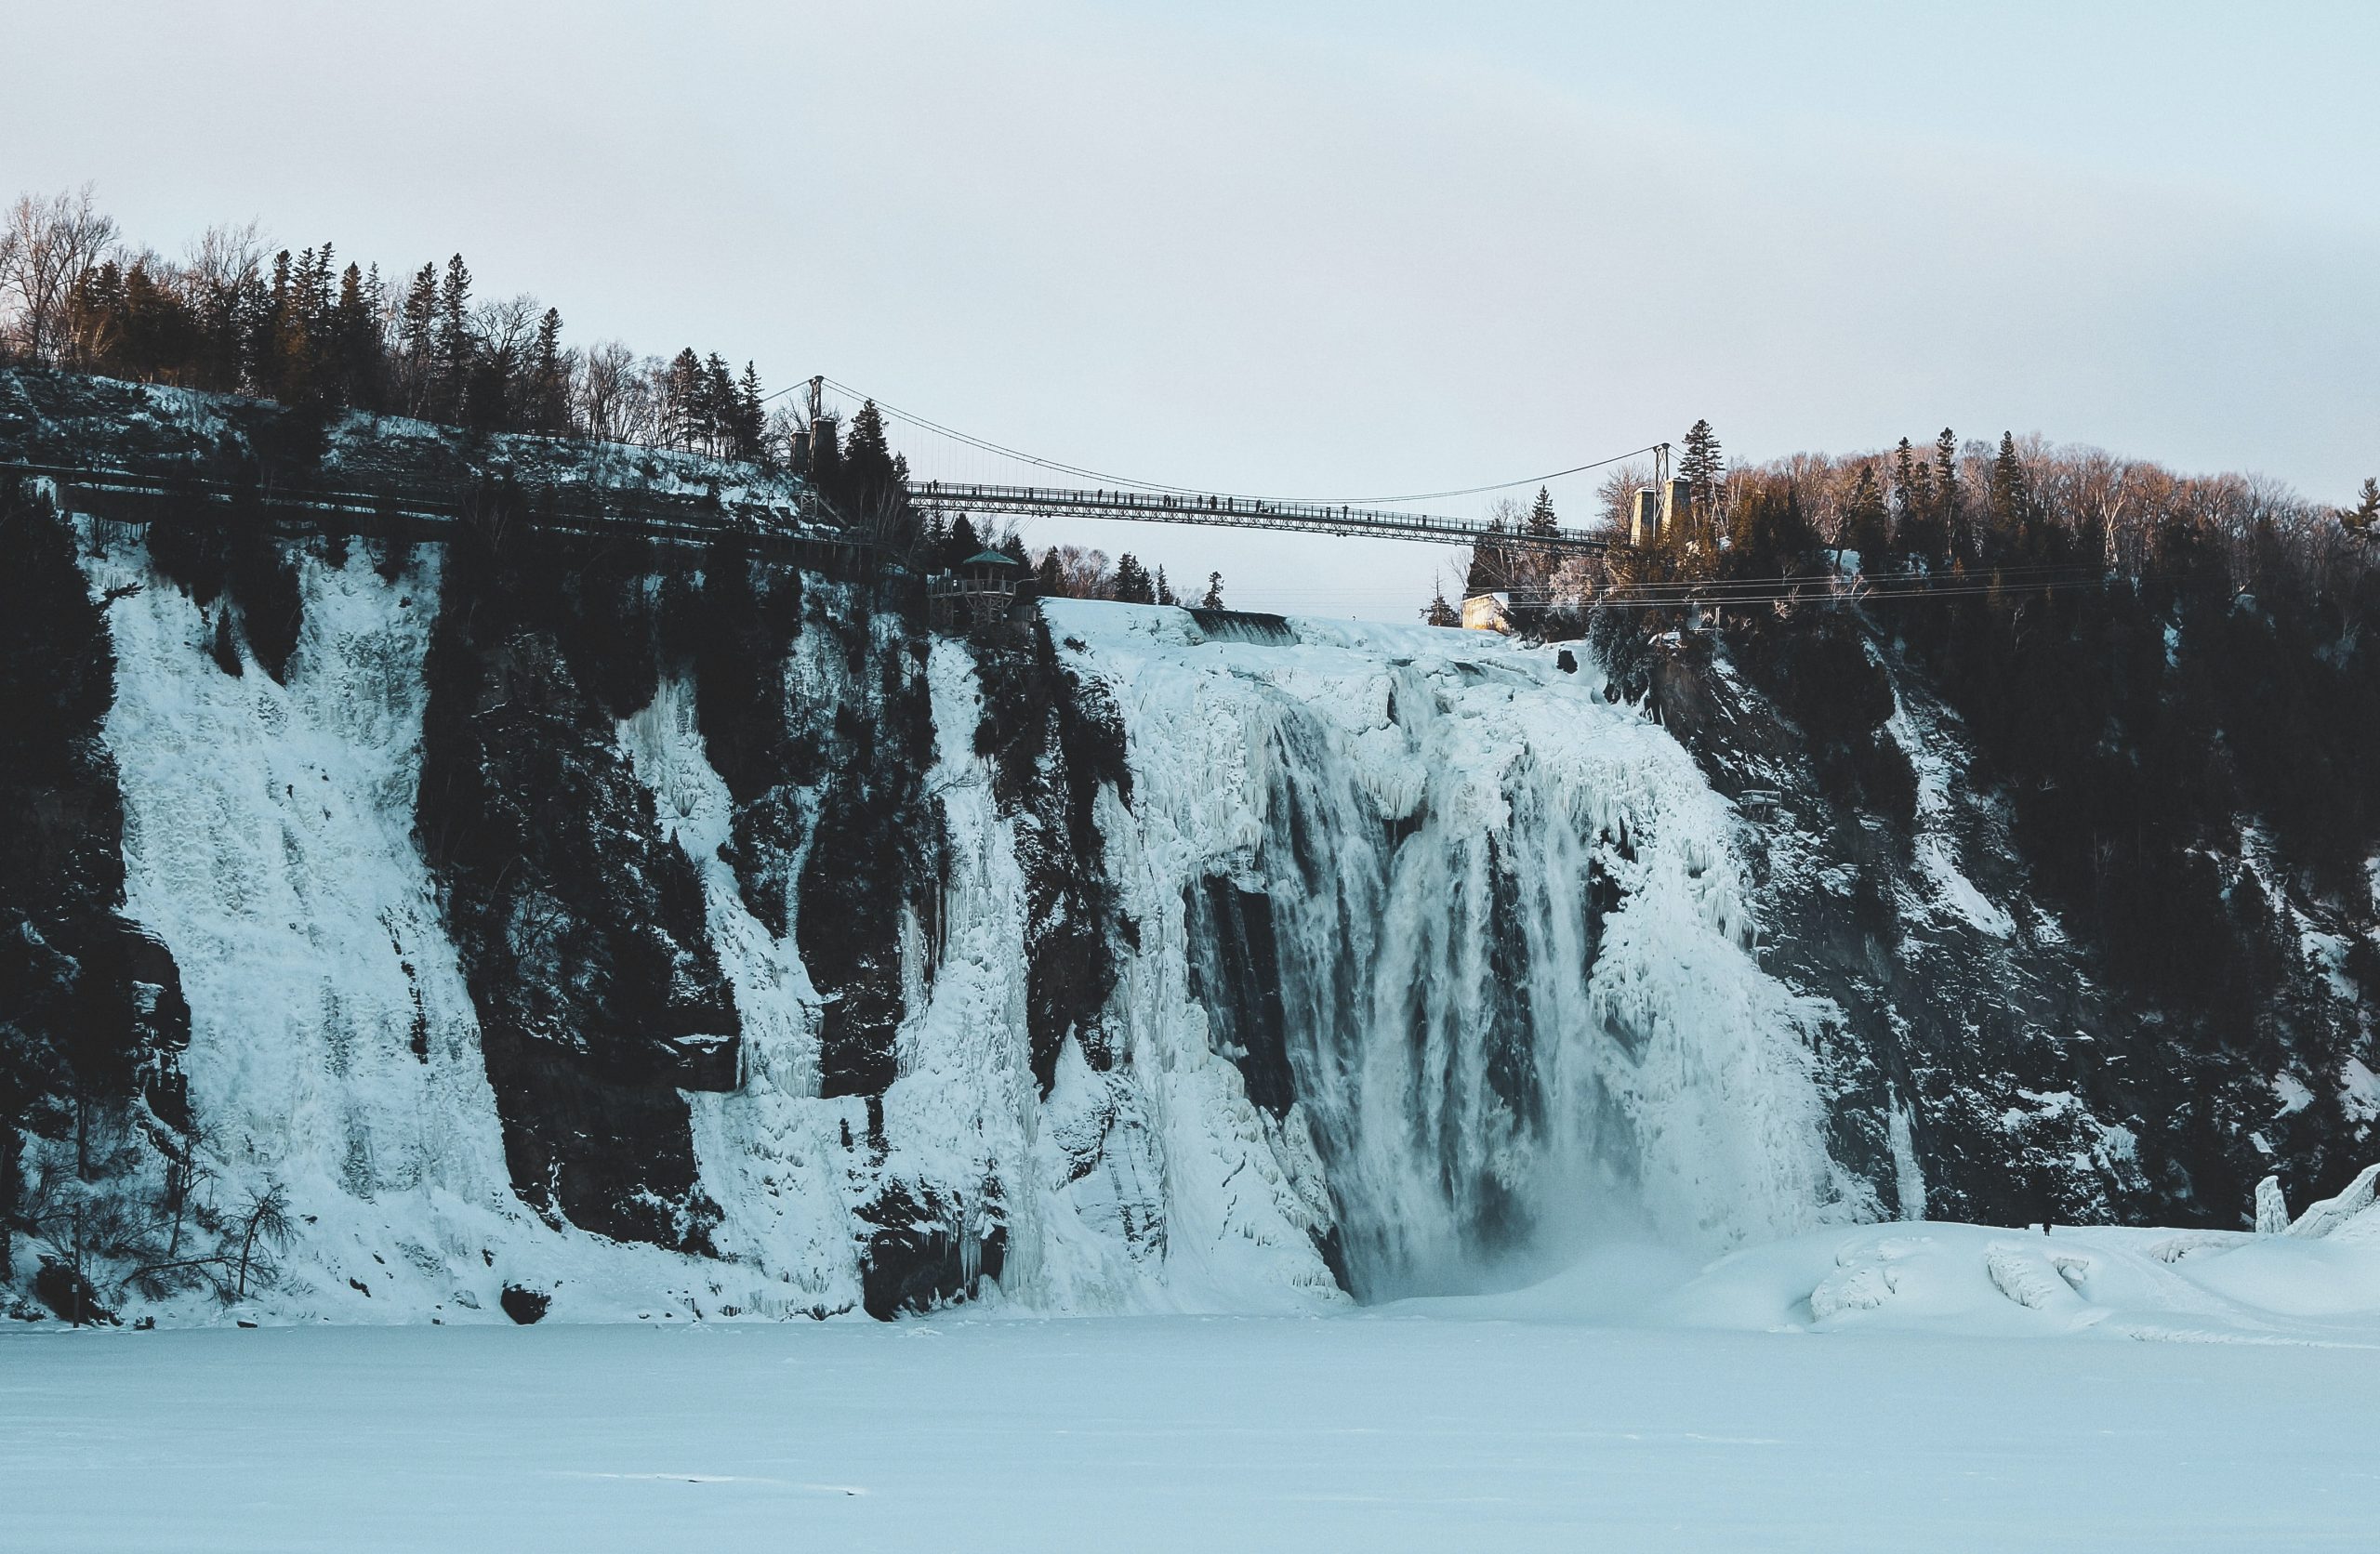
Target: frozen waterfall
x=1476, y=928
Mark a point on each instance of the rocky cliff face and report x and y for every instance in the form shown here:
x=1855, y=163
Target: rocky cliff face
x=614, y=931
x=1984, y=1059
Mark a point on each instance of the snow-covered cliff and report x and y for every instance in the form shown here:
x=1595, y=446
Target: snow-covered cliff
x=1425, y=958
x=473, y=921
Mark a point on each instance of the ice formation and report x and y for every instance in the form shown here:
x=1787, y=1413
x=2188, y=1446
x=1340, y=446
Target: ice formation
x=1432, y=962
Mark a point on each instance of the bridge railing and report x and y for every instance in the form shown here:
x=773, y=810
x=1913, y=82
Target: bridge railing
x=1240, y=512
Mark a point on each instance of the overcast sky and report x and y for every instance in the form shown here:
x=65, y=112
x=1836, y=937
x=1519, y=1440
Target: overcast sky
x=1329, y=250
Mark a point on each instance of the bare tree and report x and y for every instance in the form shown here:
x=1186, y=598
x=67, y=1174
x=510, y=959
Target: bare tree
x=1084, y=574
x=606, y=387
x=226, y=257
x=618, y=397
x=1616, y=496
x=47, y=246
x=505, y=329
x=265, y=1223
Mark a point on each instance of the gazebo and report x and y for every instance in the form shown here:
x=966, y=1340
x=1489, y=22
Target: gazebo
x=983, y=588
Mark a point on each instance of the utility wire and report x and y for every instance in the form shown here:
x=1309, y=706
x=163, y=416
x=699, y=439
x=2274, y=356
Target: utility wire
x=1628, y=600
x=2016, y=579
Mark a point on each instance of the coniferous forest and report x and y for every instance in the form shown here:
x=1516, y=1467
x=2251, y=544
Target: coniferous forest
x=318, y=330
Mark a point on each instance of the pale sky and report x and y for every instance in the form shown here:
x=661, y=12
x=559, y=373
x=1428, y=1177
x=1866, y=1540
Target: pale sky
x=1329, y=250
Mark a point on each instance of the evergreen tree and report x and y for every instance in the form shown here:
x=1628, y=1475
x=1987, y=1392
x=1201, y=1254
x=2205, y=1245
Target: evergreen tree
x=2366, y=511
x=1214, y=600
x=1050, y=580
x=2005, y=493
x=549, y=399
x=491, y=384
x=1918, y=528
x=682, y=394
x=355, y=339
x=273, y=340
x=454, y=351
x=418, y=337
x=872, y=476
x=1438, y=612
x=317, y=352
x=1542, y=522
x=1164, y=588
x=752, y=417
x=157, y=334
x=1132, y=582
x=1772, y=536
x=1946, y=507
x=959, y=545
x=719, y=406
x=1704, y=469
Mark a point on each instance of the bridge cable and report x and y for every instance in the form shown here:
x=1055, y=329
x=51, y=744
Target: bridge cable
x=985, y=445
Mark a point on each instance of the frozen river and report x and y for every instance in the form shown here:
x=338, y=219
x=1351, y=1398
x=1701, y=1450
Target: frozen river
x=1372, y=1432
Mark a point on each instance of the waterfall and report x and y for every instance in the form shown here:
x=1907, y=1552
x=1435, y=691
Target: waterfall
x=1478, y=929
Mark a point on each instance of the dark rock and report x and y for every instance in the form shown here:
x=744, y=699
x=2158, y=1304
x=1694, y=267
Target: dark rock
x=1244, y=625
x=69, y=1295
x=928, y=1249
x=581, y=926
x=1056, y=739
x=524, y=1306
x=875, y=855
x=1235, y=976
x=92, y=1018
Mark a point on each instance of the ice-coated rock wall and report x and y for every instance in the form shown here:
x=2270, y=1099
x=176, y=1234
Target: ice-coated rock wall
x=1429, y=961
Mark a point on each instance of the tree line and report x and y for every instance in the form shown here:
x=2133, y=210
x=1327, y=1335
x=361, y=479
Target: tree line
x=311, y=330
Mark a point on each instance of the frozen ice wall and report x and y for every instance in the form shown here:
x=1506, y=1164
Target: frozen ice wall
x=1431, y=962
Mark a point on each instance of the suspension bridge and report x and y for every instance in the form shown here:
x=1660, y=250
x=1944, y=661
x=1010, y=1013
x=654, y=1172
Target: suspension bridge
x=1654, y=502
x=1116, y=497
x=1231, y=512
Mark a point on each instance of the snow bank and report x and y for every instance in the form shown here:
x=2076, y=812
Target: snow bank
x=2206, y=1286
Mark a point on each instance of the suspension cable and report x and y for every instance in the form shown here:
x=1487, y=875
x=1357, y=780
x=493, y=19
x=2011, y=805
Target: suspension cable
x=986, y=446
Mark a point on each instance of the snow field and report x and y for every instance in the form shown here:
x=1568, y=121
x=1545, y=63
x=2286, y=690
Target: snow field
x=1378, y=1432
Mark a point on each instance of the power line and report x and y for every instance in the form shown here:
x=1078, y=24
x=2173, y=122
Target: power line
x=2017, y=579
x=1629, y=600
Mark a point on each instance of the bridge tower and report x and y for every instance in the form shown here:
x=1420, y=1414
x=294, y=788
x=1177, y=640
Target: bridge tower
x=805, y=437
x=1658, y=508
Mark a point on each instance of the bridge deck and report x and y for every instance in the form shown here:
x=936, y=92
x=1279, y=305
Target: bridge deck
x=1232, y=512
